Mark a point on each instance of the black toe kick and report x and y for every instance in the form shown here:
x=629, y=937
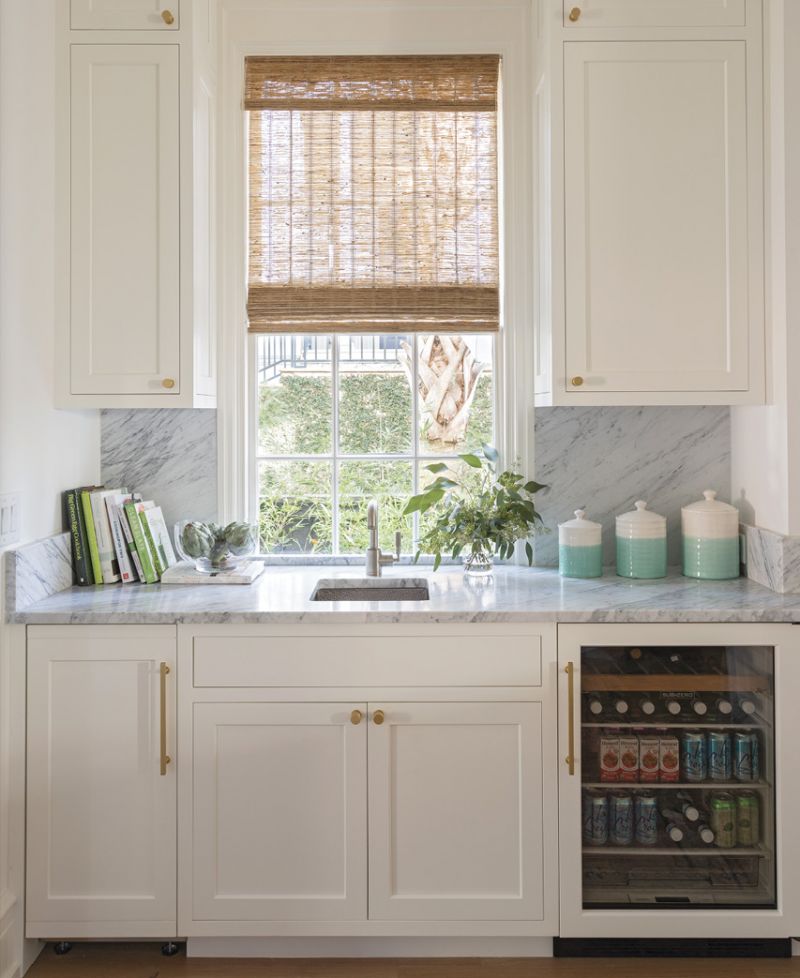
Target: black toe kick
x=619, y=947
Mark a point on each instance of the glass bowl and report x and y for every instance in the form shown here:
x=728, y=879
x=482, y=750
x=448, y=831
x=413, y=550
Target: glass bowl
x=204, y=545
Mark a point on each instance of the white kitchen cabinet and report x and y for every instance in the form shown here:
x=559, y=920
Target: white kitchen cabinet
x=589, y=14
x=136, y=216
x=455, y=811
x=651, y=263
x=686, y=887
x=101, y=798
x=280, y=827
x=145, y=15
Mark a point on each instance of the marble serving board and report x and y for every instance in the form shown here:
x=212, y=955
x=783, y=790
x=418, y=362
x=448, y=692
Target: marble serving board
x=283, y=595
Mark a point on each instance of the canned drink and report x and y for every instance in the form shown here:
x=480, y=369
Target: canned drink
x=629, y=758
x=669, y=759
x=586, y=816
x=694, y=758
x=646, y=818
x=756, y=748
x=748, y=829
x=723, y=820
x=609, y=758
x=719, y=755
x=596, y=819
x=620, y=818
x=746, y=759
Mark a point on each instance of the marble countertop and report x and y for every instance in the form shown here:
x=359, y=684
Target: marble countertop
x=282, y=595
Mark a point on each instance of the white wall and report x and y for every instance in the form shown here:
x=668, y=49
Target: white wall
x=42, y=450
x=766, y=440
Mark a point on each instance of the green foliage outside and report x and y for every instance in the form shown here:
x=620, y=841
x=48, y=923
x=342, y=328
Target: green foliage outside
x=296, y=504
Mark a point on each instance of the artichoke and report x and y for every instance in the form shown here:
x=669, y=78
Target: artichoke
x=239, y=537
x=196, y=539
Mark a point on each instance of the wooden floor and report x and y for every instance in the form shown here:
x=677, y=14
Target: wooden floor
x=146, y=961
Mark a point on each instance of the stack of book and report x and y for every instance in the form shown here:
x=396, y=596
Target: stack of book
x=116, y=536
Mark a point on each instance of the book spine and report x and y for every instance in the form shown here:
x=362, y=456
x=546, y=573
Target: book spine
x=105, y=542
x=151, y=543
x=130, y=543
x=140, y=542
x=91, y=536
x=74, y=526
x=123, y=561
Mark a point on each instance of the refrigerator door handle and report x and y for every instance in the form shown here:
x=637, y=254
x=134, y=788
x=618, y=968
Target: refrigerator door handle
x=569, y=669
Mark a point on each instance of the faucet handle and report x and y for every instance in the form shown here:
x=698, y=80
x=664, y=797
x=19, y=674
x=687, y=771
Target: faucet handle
x=398, y=542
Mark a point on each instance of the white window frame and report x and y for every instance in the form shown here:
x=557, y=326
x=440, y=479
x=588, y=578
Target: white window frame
x=504, y=27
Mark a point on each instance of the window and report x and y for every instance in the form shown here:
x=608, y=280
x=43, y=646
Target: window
x=373, y=286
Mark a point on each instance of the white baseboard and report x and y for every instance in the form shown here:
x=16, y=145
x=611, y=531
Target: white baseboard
x=369, y=947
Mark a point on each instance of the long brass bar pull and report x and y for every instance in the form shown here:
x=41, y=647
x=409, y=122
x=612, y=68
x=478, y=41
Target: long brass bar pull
x=569, y=669
x=165, y=758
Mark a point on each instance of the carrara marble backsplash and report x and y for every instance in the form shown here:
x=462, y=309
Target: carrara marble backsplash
x=602, y=459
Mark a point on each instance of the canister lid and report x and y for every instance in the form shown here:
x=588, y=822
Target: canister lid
x=709, y=517
x=712, y=506
x=580, y=532
x=641, y=522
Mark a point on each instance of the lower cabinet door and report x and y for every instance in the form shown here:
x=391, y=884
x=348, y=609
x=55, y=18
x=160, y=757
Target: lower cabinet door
x=101, y=805
x=280, y=822
x=456, y=811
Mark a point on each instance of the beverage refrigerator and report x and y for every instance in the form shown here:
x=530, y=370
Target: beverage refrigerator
x=680, y=762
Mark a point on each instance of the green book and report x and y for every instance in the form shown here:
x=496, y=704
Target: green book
x=73, y=524
x=155, y=556
x=150, y=575
x=91, y=536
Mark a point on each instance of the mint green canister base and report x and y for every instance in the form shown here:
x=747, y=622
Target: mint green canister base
x=711, y=559
x=642, y=559
x=580, y=561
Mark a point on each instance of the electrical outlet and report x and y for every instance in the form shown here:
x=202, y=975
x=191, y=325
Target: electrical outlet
x=10, y=518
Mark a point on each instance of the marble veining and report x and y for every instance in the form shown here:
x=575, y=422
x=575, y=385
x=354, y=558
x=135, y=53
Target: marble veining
x=602, y=459
x=773, y=559
x=36, y=570
x=282, y=595
x=166, y=455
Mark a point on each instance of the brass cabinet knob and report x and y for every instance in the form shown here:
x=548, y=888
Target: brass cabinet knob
x=356, y=717
x=168, y=18
x=574, y=14
x=577, y=381
x=168, y=382
x=378, y=717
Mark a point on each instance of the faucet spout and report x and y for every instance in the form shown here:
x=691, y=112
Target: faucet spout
x=374, y=558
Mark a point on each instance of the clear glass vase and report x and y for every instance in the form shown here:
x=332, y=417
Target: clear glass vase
x=480, y=563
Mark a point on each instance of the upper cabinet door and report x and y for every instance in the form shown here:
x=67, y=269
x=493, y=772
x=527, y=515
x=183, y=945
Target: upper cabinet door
x=124, y=216
x=110, y=15
x=654, y=13
x=660, y=278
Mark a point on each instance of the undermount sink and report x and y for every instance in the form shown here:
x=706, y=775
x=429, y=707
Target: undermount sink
x=371, y=589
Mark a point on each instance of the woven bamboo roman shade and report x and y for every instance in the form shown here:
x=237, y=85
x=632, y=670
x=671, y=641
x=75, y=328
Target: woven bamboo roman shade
x=373, y=194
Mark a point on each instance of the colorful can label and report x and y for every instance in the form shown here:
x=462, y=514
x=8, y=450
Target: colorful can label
x=669, y=759
x=648, y=758
x=595, y=831
x=723, y=820
x=745, y=756
x=748, y=828
x=629, y=758
x=646, y=818
x=756, y=755
x=719, y=755
x=694, y=759
x=609, y=758
x=620, y=819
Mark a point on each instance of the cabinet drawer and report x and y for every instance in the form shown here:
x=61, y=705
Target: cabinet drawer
x=489, y=656
x=653, y=13
x=125, y=15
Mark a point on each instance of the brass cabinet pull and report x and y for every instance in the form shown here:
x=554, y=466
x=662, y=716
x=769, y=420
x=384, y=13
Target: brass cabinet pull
x=167, y=17
x=356, y=717
x=165, y=758
x=574, y=14
x=569, y=669
x=378, y=717
x=577, y=381
x=168, y=382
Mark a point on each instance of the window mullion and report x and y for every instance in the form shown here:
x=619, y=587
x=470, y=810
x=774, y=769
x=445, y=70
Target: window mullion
x=335, y=446
x=415, y=449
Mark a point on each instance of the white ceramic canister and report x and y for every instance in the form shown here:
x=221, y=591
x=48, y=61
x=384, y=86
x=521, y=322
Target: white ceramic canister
x=641, y=543
x=710, y=530
x=580, y=547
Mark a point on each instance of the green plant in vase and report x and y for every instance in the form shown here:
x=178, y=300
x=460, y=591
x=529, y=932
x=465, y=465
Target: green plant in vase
x=477, y=518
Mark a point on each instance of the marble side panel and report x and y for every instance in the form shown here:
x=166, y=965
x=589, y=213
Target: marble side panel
x=773, y=559
x=604, y=459
x=36, y=570
x=166, y=455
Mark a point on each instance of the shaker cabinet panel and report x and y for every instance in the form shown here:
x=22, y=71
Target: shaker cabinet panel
x=110, y=15
x=124, y=219
x=101, y=805
x=653, y=13
x=456, y=812
x=656, y=216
